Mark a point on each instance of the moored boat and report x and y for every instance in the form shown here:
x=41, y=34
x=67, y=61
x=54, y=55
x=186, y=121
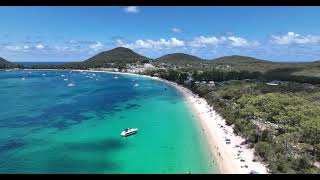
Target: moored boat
x=129, y=131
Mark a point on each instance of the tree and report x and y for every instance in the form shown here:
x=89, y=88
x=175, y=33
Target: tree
x=263, y=149
x=182, y=77
x=311, y=132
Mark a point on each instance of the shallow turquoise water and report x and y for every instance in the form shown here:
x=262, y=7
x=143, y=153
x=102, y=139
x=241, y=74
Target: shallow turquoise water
x=48, y=127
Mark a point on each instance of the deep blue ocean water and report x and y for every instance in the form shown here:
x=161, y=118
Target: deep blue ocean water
x=28, y=64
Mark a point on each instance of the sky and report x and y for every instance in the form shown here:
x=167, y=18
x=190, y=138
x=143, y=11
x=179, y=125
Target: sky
x=77, y=33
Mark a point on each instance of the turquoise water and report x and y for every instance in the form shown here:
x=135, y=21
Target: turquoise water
x=48, y=127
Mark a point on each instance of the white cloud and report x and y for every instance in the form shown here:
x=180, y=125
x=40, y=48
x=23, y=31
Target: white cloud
x=132, y=9
x=197, y=42
x=51, y=49
x=155, y=44
x=39, y=46
x=176, y=30
x=203, y=41
x=13, y=48
x=62, y=48
x=176, y=42
x=241, y=42
x=294, y=38
x=96, y=46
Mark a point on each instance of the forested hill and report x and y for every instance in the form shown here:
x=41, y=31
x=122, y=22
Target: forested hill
x=117, y=55
x=6, y=64
x=179, y=59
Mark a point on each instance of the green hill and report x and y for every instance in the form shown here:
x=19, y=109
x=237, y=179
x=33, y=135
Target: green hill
x=6, y=64
x=236, y=59
x=120, y=56
x=117, y=55
x=236, y=62
x=179, y=59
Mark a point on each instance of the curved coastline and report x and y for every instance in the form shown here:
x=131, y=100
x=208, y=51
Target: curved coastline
x=211, y=121
x=225, y=154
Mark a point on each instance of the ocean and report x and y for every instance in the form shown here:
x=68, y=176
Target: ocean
x=28, y=64
x=47, y=126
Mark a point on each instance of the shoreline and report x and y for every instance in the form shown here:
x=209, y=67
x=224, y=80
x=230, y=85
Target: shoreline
x=214, y=128
x=211, y=122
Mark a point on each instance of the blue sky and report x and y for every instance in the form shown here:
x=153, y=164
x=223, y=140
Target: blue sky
x=77, y=33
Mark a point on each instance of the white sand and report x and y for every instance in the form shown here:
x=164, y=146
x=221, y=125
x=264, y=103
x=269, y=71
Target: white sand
x=226, y=154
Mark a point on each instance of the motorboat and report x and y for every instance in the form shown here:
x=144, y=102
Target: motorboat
x=71, y=84
x=129, y=131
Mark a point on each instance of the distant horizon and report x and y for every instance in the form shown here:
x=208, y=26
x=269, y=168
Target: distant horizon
x=278, y=34
x=277, y=61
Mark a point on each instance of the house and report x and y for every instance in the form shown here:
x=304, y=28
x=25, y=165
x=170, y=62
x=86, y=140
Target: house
x=211, y=83
x=148, y=65
x=189, y=79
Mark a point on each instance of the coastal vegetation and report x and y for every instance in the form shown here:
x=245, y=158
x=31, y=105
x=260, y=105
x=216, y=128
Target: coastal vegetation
x=281, y=121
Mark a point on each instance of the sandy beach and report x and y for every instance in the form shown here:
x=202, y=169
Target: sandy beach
x=232, y=158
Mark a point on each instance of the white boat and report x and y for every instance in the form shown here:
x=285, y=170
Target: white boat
x=71, y=84
x=129, y=131
x=136, y=85
x=66, y=79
